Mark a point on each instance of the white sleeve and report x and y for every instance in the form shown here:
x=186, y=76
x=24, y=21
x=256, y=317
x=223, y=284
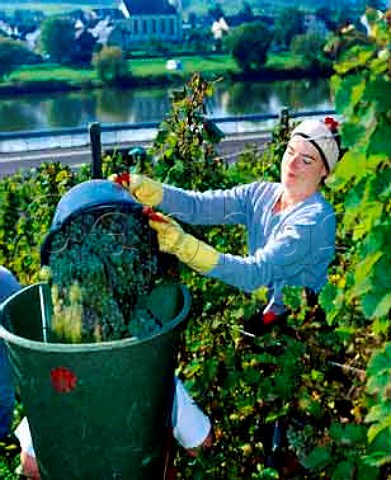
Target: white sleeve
x=190, y=425
x=23, y=434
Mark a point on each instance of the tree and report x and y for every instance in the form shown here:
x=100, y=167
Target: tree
x=216, y=11
x=192, y=19
x=249, y=44
x=12, y=54
x=84, y=48
x=246, y=12
x=58, y=39
x=110, y=65
x=310, y=47
x=200, y=39
x=289, y=23
x=327, y=15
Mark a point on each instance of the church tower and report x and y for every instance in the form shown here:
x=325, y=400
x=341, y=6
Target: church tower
x=149, y=7
x=150, y=20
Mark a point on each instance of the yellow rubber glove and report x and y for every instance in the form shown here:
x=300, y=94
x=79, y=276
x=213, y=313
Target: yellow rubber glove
x=191, y=251
x=147, y=191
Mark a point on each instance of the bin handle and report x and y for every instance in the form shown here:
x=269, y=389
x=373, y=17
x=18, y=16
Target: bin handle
x=43, y=315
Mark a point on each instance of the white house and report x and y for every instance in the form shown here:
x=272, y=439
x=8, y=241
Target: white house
x=147, y=20
x=219, y=28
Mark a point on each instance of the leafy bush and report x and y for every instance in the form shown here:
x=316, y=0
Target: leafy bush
x=310, y=47
x=249, y=44
x=12, y=54
x=110, y=64
x=58, y=38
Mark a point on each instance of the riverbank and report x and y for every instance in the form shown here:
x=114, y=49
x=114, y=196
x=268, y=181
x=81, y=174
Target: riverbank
x=152, y=72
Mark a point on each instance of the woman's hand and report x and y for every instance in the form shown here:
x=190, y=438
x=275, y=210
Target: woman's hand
x=189, y=250
x=147, y=191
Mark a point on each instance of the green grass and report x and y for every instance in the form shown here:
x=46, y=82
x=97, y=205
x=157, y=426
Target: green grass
x=213, y=64
x=139, y=68
x=148, y=67
x=284, y=60
x=52, y=72
x=208, y=64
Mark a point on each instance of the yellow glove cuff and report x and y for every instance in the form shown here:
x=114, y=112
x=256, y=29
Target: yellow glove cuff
x=147, y=191
x=198, y=255
x=189, y=250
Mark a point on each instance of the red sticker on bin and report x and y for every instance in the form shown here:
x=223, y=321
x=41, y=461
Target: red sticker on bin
x=63, y=379
x=269, y=317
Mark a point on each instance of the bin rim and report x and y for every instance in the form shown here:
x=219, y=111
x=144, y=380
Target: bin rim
x=49, y=347
x=109, y=194
x=96, y=208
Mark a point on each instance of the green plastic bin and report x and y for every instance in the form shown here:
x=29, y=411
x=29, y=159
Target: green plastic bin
x=96, y=411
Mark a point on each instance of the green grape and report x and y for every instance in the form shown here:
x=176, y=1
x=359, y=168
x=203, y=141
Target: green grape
x=301, y=441
x=108, y=256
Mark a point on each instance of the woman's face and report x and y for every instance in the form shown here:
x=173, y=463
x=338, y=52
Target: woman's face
x=302, y=168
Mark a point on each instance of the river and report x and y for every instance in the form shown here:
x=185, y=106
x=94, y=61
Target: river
x=65, y=110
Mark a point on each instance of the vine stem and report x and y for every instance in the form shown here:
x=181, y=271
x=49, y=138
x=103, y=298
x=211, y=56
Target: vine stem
x=356, y=371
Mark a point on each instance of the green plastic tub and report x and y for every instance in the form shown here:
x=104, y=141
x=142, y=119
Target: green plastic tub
x=96, y=411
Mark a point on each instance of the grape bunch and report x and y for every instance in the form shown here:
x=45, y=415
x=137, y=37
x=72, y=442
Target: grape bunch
x=102, y=267
x=301, y=440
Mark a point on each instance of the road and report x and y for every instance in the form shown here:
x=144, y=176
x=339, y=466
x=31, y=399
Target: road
x=10, y=163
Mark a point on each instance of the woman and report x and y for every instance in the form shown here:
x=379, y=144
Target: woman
x=291, y=227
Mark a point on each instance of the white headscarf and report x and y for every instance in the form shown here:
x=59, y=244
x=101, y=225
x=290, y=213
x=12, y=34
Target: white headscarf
x=322, y=138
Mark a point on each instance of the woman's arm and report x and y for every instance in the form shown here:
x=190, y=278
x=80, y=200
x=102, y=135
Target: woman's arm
x=306, y=242
x=287, y=257
x=212, y=207
x=230, y=206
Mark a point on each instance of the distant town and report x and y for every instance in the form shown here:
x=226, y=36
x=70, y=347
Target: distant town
x=136, y=23
x=86, y=48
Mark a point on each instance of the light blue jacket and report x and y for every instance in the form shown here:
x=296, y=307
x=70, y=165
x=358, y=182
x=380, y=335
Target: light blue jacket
x=292, y=247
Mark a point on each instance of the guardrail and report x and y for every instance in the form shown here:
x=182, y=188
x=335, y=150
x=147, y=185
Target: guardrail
x=97, y=134
x=116, y=127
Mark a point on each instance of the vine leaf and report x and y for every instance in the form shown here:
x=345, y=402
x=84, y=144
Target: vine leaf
x=318, y=458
